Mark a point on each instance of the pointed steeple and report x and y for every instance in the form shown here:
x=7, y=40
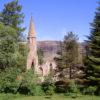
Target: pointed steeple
x=32, y=59
x=31, y=29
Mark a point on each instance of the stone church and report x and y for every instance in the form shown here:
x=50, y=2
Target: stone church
x=49, y=48
x=32, y=58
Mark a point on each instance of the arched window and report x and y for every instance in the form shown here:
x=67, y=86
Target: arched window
x=32, y=65
x=51, y=64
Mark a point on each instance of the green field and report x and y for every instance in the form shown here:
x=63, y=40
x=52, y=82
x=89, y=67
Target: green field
x=55, y=97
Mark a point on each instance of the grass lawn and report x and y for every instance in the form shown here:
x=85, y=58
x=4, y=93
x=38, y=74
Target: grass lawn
x=55, y=97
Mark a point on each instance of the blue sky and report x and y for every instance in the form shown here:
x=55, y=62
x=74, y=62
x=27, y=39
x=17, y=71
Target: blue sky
x=53, y=18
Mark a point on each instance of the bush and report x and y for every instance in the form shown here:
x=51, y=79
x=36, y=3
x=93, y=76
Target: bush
x=13, y=81
x=48, y=88
x=72, y=87
x=38, y=90
x=90, y=90
x=29, y=84
x=61, y=86
x=66, y=86
x=98, y=90
x=8, y=80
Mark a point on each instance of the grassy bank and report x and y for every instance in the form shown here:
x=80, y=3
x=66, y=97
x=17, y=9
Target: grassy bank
x=55, y=97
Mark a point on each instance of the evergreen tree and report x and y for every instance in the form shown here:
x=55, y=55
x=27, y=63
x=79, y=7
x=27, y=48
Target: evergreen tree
x=12, y=16
x=92, y=61
x=71, y=49
x=68, y=55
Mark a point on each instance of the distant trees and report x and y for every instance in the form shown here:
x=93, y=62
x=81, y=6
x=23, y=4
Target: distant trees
x=92, y=61
x=68, y=55
x=13, y=17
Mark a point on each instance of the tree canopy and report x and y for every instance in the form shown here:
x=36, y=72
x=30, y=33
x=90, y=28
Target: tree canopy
x=12, y=16
x=8, y=46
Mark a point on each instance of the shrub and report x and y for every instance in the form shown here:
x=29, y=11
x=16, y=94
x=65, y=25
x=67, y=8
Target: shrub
x=48, y=85
x=72, y=87
x=66, y=86
x=38, y=90
x=98, y=91
x=12, y=80
x=61, y=86
x=29, y=84
x=8, y=80
x=48, y=88
x=89, y=90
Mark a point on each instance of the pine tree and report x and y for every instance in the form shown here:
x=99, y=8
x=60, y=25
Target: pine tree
x=71, y=48
x=12, y=16
x=68, y=55
x=92, y=61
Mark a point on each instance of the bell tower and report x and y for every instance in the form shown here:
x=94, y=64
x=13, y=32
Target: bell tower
x=32, y=59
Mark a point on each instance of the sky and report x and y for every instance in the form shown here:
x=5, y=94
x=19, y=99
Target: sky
x=54, y=18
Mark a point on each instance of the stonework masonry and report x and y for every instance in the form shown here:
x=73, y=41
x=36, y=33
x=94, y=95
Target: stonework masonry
x=32, y=59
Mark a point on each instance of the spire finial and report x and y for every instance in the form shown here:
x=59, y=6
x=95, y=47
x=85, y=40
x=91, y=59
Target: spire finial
x=31, y=28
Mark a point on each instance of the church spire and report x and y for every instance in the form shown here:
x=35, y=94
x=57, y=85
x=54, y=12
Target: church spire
x=31, y=29
x=32, y=59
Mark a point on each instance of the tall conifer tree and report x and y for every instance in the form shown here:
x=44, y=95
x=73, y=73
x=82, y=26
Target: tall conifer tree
x=68, y=55
x=92, y=62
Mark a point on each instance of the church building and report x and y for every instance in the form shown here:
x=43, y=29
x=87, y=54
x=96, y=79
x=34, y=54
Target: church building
x=32, y=58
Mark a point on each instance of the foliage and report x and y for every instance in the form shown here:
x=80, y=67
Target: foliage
x=90, y=90
x=68, y=55
x=72, y=87
x=38, y=90
x=48, y=88
x=9, y=82
x=40, y=56
x=12, y=53
x=48, y=85
x=61, y=86
x=71, y=51
x=12, y=80
x=22, y=57
x=92, y=61
x=12, y=16
x=29, y=84
x=68, y=87
x=8, y=47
